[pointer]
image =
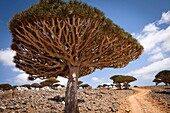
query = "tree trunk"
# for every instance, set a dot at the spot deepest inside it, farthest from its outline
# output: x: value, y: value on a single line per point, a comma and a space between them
x: 119, y: 86
x: 71, y: 104
x: 156, y: 83
x: 126, y: 85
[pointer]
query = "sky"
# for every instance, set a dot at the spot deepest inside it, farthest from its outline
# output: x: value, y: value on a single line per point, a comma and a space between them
x: 147, y: 20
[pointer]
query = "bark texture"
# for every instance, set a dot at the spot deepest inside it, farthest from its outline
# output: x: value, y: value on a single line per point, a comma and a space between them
x: 71, y: 91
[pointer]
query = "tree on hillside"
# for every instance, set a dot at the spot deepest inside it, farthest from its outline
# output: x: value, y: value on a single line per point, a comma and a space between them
x: 51, y: 81
x: 118, y: 79
x: 69, y: 39
x: 99, y: 86
x: 164, y: 76
x: 4, y: 87
x: 43, y: 84
x: 35, y: 85
x: 84, y: 86
x: 127, y: 80
x: 27, y: 86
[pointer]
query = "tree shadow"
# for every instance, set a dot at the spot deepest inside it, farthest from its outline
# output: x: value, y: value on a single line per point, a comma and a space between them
x: 123, y: 89
x: 163, y: 92
x: 57, y: 98
x: 61, y: 99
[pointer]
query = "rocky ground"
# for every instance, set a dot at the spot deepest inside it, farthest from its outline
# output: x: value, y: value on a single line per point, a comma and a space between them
x: 90, y: 101
x: 160, y: 95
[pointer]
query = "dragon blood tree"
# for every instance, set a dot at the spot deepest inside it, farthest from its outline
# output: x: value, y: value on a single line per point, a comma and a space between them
x: 69, y: 39
x: 163, y: 76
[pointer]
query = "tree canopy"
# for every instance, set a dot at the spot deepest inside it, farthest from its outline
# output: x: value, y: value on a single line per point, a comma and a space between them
x: 35, y: 85
x: 84, y: 85
x: 125, y: 79
x: 5, y: 87
x: 122, y: 78
x: 49, y: 82
x: 157, y: 81
x: 163, y: 76
x: 26, y: 85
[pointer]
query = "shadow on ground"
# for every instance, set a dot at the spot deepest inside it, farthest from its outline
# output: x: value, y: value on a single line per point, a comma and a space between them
x: 60, y: 99
x: 163, y: 92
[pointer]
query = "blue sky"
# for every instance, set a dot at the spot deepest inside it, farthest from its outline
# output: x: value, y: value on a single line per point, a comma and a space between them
x: 147, y: 20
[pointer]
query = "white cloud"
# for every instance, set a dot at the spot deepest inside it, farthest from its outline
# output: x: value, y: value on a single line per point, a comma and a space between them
x: 153, y: 36
x: 150, y: 28
x: 155, y: 51
x: 154, y: 67
x: 155, y: 40
x: 165, y: 18
x: 145, y: 75
x: 166, y: 45
x: 17, y: 70
x: 150, y: 40
x: 6, y: 57
x: 22, y: 78
x: 156, y: 57
x: 95, y: 79
x: 62, y: 80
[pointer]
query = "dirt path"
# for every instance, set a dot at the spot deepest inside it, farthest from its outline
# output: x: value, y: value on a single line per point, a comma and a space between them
x: 139, y: 103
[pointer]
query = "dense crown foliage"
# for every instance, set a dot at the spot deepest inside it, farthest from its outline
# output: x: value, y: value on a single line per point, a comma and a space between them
x: 5, y: 87
x: 26, y: 85
x: 84, y: 86
x: 122, y: 78
x: 49, y: 82
x: 163, y: 76
x: 157, y: 80
x: 125, y: 79
x: 35, y: 85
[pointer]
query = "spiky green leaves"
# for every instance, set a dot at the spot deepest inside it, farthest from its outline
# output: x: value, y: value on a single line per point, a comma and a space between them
x: 59, y: 9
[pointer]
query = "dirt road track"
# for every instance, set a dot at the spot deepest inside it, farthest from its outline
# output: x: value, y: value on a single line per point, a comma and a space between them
x: 139, y: 103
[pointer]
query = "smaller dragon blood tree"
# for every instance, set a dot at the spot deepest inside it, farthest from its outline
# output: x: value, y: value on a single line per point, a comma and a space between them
x: 125, y: 79
x: 163, y: 76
